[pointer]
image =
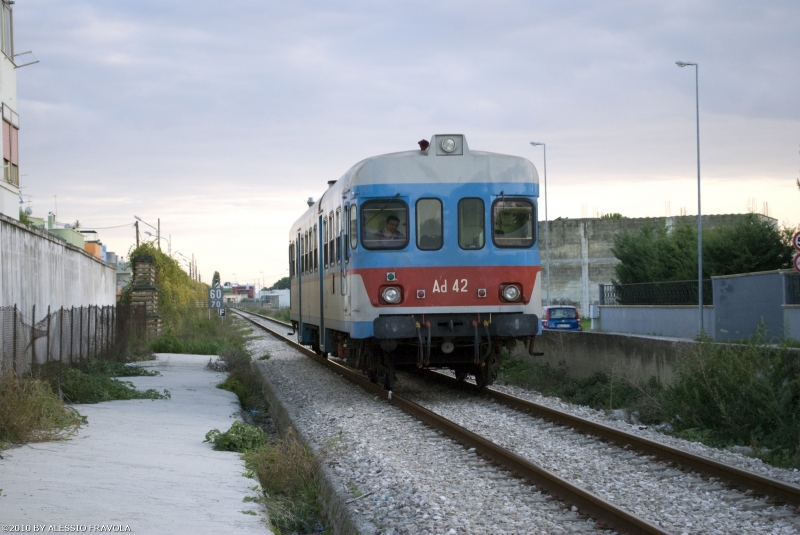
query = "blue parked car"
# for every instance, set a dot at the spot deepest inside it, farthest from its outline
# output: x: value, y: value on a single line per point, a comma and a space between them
x: 561, y: 318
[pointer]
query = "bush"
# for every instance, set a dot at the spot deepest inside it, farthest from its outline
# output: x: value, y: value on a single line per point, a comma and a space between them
x: 746, y: 394
x: 240, y: 437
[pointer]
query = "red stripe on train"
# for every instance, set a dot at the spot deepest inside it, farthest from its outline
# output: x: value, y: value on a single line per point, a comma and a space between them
x: 449, y: 286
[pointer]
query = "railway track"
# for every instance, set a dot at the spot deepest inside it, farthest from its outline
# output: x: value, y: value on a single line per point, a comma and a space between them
x: 588, y: 503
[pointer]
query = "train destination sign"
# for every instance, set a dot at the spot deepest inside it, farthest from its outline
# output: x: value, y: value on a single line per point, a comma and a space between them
x: 215, y: 297
x: 796, y: 241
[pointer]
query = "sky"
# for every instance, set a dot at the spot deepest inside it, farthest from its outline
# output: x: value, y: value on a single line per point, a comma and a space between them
x: 220, y: 119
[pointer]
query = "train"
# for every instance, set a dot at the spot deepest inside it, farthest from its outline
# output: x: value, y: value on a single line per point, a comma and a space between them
x: 424, y: 258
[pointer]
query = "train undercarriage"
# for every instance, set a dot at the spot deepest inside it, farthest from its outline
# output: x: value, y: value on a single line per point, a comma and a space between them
x: 467, y: 344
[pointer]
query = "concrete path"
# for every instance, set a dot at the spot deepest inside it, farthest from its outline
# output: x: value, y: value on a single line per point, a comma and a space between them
x: 140, y: 464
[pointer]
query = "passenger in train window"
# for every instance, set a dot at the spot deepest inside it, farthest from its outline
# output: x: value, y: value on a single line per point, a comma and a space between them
x: 390, y: 231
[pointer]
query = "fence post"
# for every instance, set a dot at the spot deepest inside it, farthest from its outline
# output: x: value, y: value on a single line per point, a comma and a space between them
x: 47, y: 344
x: 80, y: 334
x: 602, y: 294
x: 61, y: 334
x: 14, y: 341
x: 33, y: 335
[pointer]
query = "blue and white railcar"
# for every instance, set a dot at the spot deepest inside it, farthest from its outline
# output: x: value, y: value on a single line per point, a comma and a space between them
x: 424, y: 258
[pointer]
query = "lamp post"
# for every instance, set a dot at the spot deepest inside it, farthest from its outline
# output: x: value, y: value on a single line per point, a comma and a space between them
x: 158, y: 230
x: 169, y: 241
x: 546, y: 225
x: 699, y: 218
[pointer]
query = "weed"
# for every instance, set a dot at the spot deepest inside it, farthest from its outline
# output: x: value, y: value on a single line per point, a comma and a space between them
x: 31, y: 412
x: 117, y: 369
x: 286, y: 470
x: 240, y: 437
x: 80, y: 387
x: 249, y: 512
x: 265, y: 356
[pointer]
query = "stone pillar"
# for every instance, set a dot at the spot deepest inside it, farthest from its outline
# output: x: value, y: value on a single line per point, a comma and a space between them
x: 144, y: 292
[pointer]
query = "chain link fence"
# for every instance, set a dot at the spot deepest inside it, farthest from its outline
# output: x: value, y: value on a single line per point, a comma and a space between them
x: 68, y: 335
x: 656, y: 293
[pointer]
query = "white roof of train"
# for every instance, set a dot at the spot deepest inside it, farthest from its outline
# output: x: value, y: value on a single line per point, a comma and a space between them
x: 436, y: 165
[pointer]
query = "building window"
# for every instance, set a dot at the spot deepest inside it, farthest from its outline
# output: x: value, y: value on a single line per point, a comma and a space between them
x: 7, y: 43
x: 10, y: 152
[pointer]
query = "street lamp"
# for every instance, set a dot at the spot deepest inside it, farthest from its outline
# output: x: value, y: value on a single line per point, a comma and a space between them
x: 169, y: 240
x: 546, y: 225
x: 158, y: 230
x: 699, y: 218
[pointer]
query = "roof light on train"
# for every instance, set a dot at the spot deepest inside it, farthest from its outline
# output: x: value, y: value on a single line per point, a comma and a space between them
x: 511, y: 292
x: 391, y: 295
x: 448, y: 144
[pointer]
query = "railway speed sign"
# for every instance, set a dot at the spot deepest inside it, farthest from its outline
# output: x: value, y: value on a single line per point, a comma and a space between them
x: 215, y: 297
x: 796, y: 241
x: 797, y: 262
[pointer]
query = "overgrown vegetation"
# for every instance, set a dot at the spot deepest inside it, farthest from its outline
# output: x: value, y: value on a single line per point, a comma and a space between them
x: 194, y: 332
x: 176, y: 290
x: 723, y: 395
x: 284, y: 466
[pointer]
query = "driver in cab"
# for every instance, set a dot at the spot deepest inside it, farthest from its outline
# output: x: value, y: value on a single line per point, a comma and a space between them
x: 390, y: 231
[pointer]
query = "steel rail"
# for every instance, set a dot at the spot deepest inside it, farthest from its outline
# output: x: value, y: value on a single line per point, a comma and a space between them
x: 606, y: 514
x: 778, y: 491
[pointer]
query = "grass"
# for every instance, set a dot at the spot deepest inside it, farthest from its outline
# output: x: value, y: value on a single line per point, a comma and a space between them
x: 723, y: 395
x: 31, y: 412
x: 197, y: 334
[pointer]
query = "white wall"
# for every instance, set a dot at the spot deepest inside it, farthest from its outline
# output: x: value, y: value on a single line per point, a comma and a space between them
x: 36, y: 268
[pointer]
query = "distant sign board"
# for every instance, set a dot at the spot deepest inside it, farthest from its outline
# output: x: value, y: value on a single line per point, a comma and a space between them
x: 215, y: 298
x: 796, y: 241
x: 797, y: 263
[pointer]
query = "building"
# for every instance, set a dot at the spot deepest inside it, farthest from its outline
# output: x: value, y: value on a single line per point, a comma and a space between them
x: 9, y: 182
x: 581, y: 257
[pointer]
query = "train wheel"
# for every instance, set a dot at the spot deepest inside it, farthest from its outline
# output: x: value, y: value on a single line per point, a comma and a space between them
x: 483, y: 376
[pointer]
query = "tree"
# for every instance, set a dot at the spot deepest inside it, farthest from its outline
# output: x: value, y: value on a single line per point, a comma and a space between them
x: 615, y: 215
x: 282, y: 284
x: 653, y: 255
x: 215, y: 279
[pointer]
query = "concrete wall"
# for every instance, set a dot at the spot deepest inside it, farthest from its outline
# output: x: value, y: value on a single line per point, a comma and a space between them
x: 620, y: 355
x: 586, y: 353
x: 742, y: 302
x: 791, y: 321
x: 581, y: 257
x: 37, y: 268
x: 672, y: 321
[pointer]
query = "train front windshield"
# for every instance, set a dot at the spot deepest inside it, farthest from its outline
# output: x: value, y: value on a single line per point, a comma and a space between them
x: 384, y: 224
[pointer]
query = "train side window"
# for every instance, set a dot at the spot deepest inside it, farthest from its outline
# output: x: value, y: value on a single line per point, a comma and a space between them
x: 329, y: 245
x: 303, y: 253
x: 353, y: 226
x: 513, y: 223
x: 384, y: 224
x: 291, y: 261
x: 338, y: 227
x: 325, y: 241
x: 314, y: 257
x: 471, y: 223
x: 429, y: 224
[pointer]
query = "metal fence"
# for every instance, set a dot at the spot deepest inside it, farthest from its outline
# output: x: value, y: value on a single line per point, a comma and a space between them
x: 67, y: 335
x: 656, y: 293
x: 793, y: 289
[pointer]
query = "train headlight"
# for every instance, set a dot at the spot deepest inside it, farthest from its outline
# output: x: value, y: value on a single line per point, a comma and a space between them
x: 391, y: 295
x: 511, y: 292
x: 448, y: 144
